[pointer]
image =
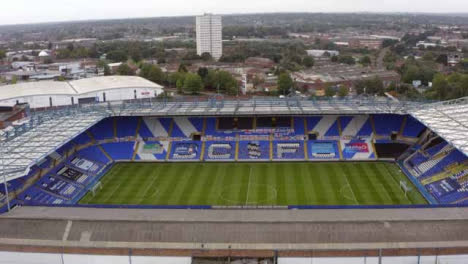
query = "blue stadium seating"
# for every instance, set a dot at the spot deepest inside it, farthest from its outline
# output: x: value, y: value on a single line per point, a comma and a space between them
x: 366, y: 130
x: 312, y: 121
x: 288, y: 150
x: 333, y: 131
x: 126, y: 126
x: 197, y: 123
x: 93, y: 153
x: 299, y: 128
x: 211, y: 129
x: 120, y: 150
x: 435, y: 149
x: 177, y: 132
x: 58, y: 186
x: 344, y: 121
x: 38, y: 196
x: 103, y: 129
x: 455, y: 156
x: 220, y: 150
x: 254, y: 150
x: 82, y: 139
x: 386, y: 124
x: 413, y: 127
x: 159, y: 156
x: 185, y: 150
x: 323, y: 149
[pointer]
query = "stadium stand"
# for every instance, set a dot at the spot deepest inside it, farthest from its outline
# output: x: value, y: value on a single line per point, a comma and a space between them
x: 120, y: 150
x: 126, y: 126
x: 324, y: 126
x: 220, y: 150
x: 254, y: 150
x: 82, y: 139
x: 103, y: 130
x: 323, y: 150
x: 288, y: 150
x: 153, y: 150
x: 386, y: 124
x: 413, y: 128
x: 185, y: 150
x: 151, y: 127
x: 355, y: 126
x: 94, y: 153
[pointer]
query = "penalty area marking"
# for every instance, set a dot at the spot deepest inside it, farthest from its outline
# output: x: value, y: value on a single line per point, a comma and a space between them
x: 345, y: 195
x: 248, y: 186
x: 272, y: 194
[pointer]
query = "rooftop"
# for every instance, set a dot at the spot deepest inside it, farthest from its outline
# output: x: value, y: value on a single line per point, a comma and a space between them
x: 83, y: 86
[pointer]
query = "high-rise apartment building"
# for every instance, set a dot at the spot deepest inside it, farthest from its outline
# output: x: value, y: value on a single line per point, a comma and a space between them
x: 209, y: 35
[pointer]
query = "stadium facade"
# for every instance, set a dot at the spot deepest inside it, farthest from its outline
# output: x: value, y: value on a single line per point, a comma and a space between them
x: 55, y: 157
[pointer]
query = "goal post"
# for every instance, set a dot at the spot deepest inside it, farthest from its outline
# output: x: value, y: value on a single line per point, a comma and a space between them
x: 405, y: 187
x: 95, y: 188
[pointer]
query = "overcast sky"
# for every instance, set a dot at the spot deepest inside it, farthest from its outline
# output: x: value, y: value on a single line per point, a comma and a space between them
x: 31, y: 11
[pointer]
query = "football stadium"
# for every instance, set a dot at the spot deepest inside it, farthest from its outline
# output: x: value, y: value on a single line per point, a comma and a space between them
x: 215, y: 180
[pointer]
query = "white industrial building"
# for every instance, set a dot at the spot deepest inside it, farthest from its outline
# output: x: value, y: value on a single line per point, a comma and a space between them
x: 98, y: 89
x: 210, y: 35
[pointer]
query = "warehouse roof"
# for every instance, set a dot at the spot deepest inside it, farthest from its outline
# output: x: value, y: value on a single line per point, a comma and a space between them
x: 78, y: 87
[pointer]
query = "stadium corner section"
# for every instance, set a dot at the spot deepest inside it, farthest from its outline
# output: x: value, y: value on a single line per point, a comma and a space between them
x: 438, y: 170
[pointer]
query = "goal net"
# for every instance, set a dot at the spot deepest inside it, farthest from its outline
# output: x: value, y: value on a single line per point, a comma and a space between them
x: 405, y: 187
x: 95, y: 188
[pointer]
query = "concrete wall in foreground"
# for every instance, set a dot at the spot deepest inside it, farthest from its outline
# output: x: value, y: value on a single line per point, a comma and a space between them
x: 46, y: 258
x: 451, y: 259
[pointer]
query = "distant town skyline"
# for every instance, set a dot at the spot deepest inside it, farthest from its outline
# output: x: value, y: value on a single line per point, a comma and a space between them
x: 26, y: 11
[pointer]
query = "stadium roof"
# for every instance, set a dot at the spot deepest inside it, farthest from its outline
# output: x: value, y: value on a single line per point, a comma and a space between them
x: 78, y: 87
x: 31, y: 140
x: 448, y: 119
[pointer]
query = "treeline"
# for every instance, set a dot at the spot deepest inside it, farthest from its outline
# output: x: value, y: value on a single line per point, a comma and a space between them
x: 186, y: 82
x: 446, y: 87
x: 119, y: 51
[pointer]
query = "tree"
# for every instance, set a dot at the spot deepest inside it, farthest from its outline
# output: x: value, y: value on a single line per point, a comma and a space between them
x: 343, y: 91
x: 346, y: 59
x: 365, y: 61
x: 330, y: 91
x: 334, y: 58
x: 182, y: 68
x: 124, y: 69
x: 206, y: 56
x: 202, y: 72
x: 117, y: 56
x: 308, y: 61
x: 440, y: 85
x: 2, y: 54
x: 152, y: 73
x: 227, y: 83
x: 105, y: 67
x: 193, y: 83
x: 285, y: 83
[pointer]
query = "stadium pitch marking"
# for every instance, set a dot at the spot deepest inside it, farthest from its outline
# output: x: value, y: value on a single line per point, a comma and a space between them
x: 350, y: 188
x: 347, y: 196
x: 248, y: 186
x: 271, y: 192
x: 148, y: 188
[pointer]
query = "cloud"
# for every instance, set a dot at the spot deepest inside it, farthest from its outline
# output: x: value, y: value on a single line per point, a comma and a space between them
x: 27, y: 11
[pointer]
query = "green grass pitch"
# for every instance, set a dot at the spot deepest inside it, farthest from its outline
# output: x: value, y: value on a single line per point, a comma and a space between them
x: 357, y: 183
